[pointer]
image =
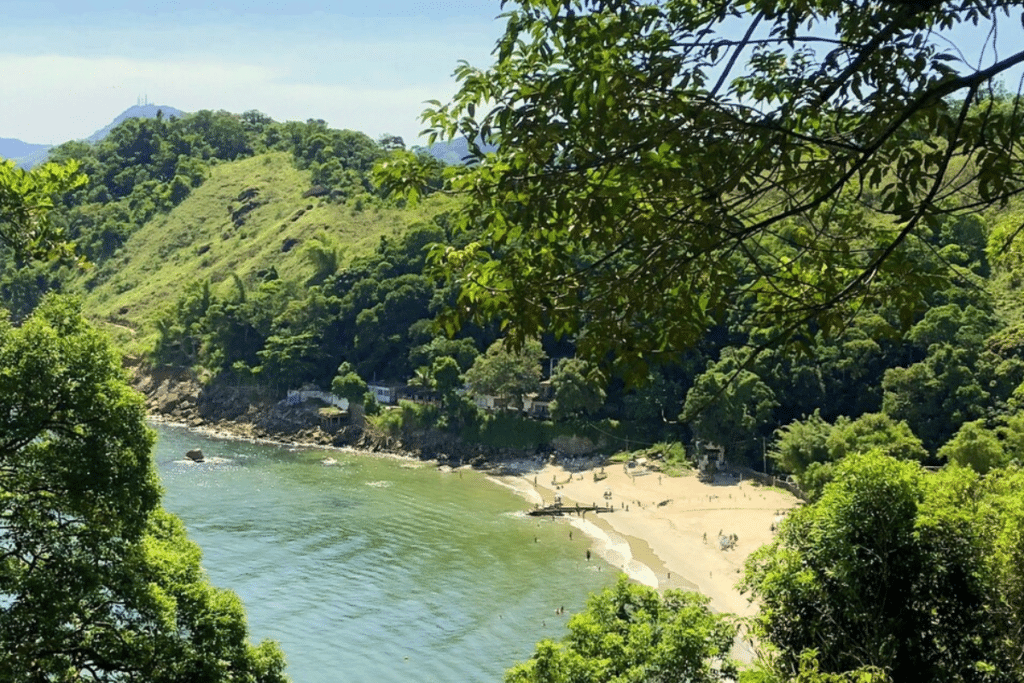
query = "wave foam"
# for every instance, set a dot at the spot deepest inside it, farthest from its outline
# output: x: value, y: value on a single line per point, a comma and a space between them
x: 614, y: 549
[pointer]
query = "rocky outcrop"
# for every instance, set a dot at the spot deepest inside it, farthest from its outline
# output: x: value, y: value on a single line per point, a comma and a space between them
x: 254, y: 413
x: 169, y: 394
x: 248, y: 201
x: 246, y: 412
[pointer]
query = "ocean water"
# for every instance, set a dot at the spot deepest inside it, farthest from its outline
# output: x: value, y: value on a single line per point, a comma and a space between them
x: 376, y: 569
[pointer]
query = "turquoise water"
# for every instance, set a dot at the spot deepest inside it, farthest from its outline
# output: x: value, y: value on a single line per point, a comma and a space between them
x: 376, y: 569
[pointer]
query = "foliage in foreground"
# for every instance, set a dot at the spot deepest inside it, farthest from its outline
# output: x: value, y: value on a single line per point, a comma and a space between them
x: 97, y: 582
x: 913, y: 574
x: 631, y: 633
x: 665, y: 167
x: 25, y: 201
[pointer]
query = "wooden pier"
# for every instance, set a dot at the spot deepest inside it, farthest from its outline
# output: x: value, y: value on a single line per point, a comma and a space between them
x: 558, y: 510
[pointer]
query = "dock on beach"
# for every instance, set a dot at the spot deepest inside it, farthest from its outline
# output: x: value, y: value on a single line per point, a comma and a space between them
x: 557, y: 510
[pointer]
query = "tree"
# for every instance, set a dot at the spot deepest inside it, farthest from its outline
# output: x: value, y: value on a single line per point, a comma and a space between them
x: 894, y: 569
x: 289, y: 358
x: 446, y: 377
x: 578, y: 387
x: 506, y: 373
x: 26, y: 198
x: 874, y: 432
x: 663, y: 165
x: 462, y: 350
x: 390, y: 143
x: 729, y: 406
x: 801, y: 443
x: 631, y: 633
x: 1011, y: 435
x: 974, y: 446
x: 810, y: 449
x: 938, y: 394
x: 323, y: 256
x: 97, y: 582
x: 348, y: 385
x: 652, y: 400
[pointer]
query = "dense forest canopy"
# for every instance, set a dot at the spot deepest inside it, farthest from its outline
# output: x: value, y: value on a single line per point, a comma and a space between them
x: 819, y: 198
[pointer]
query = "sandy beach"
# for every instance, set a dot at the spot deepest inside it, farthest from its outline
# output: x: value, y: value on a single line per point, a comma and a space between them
x: 666, y: 531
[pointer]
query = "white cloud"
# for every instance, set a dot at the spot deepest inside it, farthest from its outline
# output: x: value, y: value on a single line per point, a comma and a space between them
x: 52, y: 98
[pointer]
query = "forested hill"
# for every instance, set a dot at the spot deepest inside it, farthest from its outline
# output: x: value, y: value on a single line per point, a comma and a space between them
x: 237, y: 205
x: 259, y: 251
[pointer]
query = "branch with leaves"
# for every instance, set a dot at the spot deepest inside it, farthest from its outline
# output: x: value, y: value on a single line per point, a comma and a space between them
x: 26, y: 198
x: 665, y: 167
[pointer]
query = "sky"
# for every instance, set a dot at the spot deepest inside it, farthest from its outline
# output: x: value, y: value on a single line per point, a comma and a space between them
x: 67, y: 68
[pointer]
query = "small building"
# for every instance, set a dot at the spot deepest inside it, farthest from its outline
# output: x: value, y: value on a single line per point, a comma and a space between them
x: 297, y: 396
x: 385, y: 394
x: 418, y: 395
x: 710, y: 457
x: 537, y: 406
x: 490, y: 403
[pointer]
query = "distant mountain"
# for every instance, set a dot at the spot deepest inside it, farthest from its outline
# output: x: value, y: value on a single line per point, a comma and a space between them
x: 35, y: 158
x: 454, y: 152
x: 26, y: 155
x: 16, y: 149
x: 139, y: 111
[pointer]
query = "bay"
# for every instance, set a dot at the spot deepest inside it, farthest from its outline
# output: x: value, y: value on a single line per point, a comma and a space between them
x: 375, y: 569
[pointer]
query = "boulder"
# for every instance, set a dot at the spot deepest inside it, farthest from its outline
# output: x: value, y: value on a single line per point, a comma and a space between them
x: 195, y: 455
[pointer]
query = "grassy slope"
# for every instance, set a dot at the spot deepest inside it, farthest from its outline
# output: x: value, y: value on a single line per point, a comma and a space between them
x: 199, y: 240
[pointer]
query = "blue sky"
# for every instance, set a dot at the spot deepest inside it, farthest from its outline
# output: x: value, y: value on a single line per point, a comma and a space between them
x: 68, y: 68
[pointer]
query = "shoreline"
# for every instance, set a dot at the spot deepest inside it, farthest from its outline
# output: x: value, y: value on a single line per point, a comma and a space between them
x: 223, y: 430
x: 663, y: 520
x: 664, y: 532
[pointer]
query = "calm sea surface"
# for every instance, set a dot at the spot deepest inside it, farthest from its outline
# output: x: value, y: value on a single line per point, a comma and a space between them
x: 376, y: 569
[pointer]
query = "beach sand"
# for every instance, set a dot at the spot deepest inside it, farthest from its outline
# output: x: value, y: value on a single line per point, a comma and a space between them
x: 665, y: 530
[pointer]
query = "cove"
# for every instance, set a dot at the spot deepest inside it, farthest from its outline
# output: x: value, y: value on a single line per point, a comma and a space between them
x: 376, y: 569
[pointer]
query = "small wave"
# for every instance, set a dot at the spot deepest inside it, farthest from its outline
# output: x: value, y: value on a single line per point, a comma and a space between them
x: 614, y: 549
x: 380, y: 484
x: 208, y: 460
x: 525, y: 491
x: 641, y: 573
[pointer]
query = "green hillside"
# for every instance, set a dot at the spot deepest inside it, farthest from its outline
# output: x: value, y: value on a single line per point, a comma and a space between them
x: 248, y: 216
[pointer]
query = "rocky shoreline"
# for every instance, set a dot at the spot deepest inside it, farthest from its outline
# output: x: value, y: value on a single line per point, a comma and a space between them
x: 251, y: 413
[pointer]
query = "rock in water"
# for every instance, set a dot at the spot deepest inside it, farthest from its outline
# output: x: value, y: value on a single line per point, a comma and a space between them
x: 195, y: 455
